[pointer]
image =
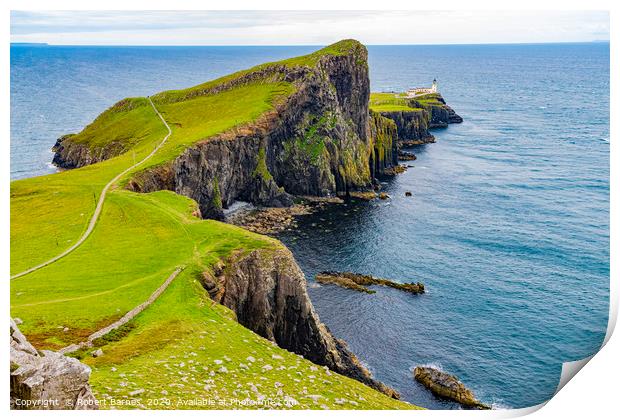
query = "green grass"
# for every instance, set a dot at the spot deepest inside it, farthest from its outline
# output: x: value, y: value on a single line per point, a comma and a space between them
x: 340, y: 48
x: 138, y: 242
x: 49, y: 213
x: 387, y: 102
x: 172, y: 350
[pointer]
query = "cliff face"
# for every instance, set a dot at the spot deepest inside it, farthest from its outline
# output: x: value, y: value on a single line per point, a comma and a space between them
x: 413, y: 126
x: 47, y: 380
x: 267, y: 291
x: 315, y: 143
x: 384, y: 134
x: 70, y: 155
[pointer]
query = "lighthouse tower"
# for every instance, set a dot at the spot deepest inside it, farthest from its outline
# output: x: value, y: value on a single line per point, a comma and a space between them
x: 434, y: 87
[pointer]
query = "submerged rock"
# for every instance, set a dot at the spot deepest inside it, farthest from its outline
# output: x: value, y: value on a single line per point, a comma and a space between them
x: 404, y: 155
x: 363, y: 195
x: 447, y: 386
x: 395, y: 170
x: 358, y: 282
x: 47, y: 380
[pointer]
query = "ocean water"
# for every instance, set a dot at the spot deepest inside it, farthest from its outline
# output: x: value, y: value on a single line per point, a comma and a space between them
x: 508, y: 225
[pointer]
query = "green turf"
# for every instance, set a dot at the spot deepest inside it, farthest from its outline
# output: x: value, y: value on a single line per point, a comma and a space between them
x: 171, y: 353
x: 49, y: 213
x: 139, y: 241
x: 137, y: 244
x: 387, y: 101
x: 337, y: 49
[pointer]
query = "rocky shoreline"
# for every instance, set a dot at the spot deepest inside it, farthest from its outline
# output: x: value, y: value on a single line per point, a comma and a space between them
x: 358, y: 282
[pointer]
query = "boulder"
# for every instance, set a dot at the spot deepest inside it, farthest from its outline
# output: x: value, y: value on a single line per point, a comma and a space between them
x: 447, y: 386
x: 47, y: 380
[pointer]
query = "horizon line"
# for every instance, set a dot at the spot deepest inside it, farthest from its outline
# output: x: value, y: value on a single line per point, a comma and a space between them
x: 600, y: 41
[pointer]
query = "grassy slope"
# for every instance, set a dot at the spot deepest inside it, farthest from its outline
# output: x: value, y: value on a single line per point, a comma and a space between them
x: 138, y: 242
x: 388, y: 101
x: 49, y: 213
x: 182, y: 364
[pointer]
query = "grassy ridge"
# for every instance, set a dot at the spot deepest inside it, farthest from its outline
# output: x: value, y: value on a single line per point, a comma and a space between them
x: 139, y: 240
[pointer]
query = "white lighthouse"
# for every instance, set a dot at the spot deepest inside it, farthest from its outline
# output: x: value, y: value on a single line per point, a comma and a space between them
x: 434, y: 86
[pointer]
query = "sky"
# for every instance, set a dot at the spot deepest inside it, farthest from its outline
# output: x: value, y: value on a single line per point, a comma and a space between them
x: 306, y: 27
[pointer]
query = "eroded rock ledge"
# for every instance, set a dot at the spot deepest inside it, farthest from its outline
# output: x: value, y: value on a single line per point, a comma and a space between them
x: 267, y: 291
x: 356, y: 281
x: 47, y: 380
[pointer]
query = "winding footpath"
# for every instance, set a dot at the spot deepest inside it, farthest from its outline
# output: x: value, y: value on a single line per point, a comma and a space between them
x: 95, y: 217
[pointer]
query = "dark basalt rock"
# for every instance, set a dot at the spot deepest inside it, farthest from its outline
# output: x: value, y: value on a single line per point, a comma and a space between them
x: 267, y: 291
x: 329, y: 109
x: 447, y: 386
x: 70, y: 155
x: 404, y: 155
x: 413, y: 126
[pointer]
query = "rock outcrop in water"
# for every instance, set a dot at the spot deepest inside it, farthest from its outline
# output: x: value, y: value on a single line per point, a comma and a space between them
x: 447, y: 386
x: 356, y: 281
x: 267, y: 291
x: 47, y: 380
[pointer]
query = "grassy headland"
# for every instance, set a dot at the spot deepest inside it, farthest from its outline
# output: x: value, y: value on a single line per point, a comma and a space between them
x: 171, y: 349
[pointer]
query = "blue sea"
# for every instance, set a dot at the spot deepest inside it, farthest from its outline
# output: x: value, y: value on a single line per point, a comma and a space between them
x: 508, y: 225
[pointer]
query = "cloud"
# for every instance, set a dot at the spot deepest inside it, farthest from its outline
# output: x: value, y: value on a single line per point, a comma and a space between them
x: 305, y: 27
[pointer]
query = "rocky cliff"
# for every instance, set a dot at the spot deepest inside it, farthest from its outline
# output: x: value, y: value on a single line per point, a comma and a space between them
x: 267, y: 291
x: 47, y: 380
x: 316, y: 143
x: 384, y: 153
x: 70, y: 155
x: 413, y: 125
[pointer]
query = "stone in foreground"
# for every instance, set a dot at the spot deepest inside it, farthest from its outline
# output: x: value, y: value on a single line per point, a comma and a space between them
x: 447, y: 386
x: 47, y: 380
